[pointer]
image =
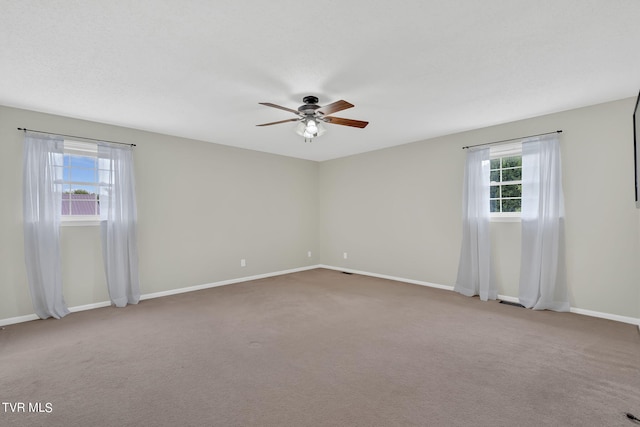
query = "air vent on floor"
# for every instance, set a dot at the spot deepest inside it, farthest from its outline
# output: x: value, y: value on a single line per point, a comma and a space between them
x: 515, y: 304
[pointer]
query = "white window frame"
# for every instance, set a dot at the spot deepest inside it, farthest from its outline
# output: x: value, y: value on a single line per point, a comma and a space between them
x: 496, y: 152
x: 88, y: 149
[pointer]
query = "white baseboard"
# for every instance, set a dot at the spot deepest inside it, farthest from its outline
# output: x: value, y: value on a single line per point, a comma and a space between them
x: 591, y: 313
x: 89, y: 306
x: 29, y: 317
x: 609, y: 316
x: 616, y: 317
x: 384, y: 276
x: 18, y: 319
x: 225, y: 282
x: 584, y: 312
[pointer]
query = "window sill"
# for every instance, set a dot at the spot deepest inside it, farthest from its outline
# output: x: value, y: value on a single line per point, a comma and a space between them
x: 505, y: 218
x: 80, y: 221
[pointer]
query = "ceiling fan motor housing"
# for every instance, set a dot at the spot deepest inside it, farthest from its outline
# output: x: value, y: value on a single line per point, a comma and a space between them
x: 310, y: 106
x: 310, y: 100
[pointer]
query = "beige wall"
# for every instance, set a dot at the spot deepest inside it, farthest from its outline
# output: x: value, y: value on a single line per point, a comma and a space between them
x: 398, y: 211
x: 201, y: 208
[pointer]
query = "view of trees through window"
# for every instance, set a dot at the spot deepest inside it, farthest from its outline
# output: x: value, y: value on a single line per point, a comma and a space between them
x: 506, y: 184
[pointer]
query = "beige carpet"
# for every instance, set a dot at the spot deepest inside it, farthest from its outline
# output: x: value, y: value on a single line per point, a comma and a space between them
x: 320, y: 348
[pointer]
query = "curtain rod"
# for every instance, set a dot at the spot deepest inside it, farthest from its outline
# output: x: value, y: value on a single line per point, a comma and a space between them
x: 74, y: 136
x: 511, y: 139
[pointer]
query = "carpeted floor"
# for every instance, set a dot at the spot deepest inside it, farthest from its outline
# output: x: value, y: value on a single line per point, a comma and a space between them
x: 320, y: 348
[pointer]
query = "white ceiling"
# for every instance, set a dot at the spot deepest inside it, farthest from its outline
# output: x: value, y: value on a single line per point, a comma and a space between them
x: 413, y: 69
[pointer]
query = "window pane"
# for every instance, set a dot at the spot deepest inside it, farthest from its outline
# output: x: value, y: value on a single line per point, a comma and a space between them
x: 511, y: 205
x: 80, y: 189
x: 65, y: 204
x: 505, y: 198
x: 77, y: 190
x: 83, y: 161
x: 512, y: 174
x: 514, y: 190
x: 83, y: 175
x: 509, y: 162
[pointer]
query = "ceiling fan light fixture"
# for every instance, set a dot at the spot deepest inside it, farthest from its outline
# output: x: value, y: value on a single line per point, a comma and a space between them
x: 309, y: 129
x: 312, y: 117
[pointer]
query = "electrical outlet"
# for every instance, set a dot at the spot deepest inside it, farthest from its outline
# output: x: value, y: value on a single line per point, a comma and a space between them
x: 309, y: 254
x: 243, y: 262
x: 344, y: 255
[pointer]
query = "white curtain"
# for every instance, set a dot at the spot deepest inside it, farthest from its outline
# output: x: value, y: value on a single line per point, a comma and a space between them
x: 474, y: 270
x: 42, y: 210
x: 118, y: 221
x: 542, y: 268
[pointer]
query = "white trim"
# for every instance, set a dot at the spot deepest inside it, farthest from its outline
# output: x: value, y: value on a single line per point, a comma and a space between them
x: 89, y: 306
x: 384, y: 276
x: 224, y: 283
x: 506, y: 150
x: 608, y: 316
x: 29, y: 317
x: 584, y: 312
x: 81, y: 148
x: 502, y: 217
x: 580, y: 311
x: 18, y: 319
x: 79, y: 220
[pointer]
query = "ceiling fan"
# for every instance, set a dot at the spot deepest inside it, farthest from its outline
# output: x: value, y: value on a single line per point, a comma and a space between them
x: 311, y: 116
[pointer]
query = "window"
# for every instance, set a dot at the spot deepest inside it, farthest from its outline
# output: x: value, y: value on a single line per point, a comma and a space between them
x: 80, y: 193
x: 505, y: 191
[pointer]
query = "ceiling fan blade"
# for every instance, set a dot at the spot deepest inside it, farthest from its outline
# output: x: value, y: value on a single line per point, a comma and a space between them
x: 334, y: 107
x: 281, y: 121
x: 346, y: 122
x: 268, y: 104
